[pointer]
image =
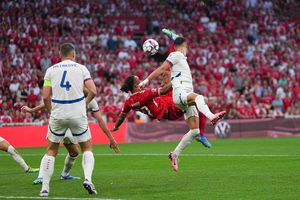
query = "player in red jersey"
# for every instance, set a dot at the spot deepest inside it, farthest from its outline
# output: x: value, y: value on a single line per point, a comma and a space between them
x: 156, y: 103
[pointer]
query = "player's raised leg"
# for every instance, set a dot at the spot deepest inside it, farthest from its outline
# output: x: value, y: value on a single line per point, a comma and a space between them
x: 171, y: 34
x: 5, y: 146
x: 198, y: 99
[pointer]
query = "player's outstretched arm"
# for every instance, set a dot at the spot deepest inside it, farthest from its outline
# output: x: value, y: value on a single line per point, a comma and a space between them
x: 92, y: 91
x: 26, y: 109
x: 156, y: 73
x: 112, y: 143
x: 119, y: 122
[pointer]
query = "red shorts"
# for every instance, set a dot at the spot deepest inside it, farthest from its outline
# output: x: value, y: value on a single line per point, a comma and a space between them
x: 174, y: 113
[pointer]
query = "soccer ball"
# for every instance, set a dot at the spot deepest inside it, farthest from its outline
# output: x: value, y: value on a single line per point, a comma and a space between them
x: 150, y: 46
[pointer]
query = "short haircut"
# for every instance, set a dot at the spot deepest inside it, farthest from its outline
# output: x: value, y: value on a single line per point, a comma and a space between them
x: 128, y: 84
x: 66, y: 48
x: 179, y: 41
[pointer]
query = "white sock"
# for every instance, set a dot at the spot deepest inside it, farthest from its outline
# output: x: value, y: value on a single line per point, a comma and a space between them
x: 203, y: 108
x: 47, y: 170
x: 17, y: 157
x: 88, y: 164
x: 186, y: 140
x: 69, y: 162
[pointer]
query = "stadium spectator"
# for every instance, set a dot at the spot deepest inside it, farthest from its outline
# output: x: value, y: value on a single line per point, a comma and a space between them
x: 245, y: 52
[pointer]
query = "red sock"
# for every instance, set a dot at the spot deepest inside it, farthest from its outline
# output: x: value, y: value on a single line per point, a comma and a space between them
x: 202, y: 123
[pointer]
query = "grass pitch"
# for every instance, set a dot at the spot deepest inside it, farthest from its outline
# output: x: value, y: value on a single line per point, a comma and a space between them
x: 251, y: 169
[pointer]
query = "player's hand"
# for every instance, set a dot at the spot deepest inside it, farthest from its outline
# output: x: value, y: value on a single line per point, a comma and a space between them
x: 26, y: 109
x: 114, y: 129
x: 144, y: 82
x: 114, y: 145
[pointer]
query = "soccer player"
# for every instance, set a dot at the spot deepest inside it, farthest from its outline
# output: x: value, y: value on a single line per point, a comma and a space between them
x: 156, y: 103
x: 184, y: 95
x: 71, y: 144
x: 5, y: 146
x: 65, y: 101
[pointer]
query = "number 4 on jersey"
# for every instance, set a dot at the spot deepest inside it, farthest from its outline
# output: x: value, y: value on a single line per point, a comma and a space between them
x: 64, y: 84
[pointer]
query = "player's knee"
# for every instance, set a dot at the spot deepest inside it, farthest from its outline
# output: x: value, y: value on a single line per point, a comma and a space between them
x: 191, y: 98
x: 52, y: 152
x: 74, y: 153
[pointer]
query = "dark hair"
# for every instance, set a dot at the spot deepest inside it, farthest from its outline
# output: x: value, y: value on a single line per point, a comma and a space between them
x: 128, y: 84
x: 66, y: 48
x: 179, y: 41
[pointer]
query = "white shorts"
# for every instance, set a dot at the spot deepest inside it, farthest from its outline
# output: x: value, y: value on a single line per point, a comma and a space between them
x: 69, y: 138
x: 1, y: 139
x: 180, y: 99
x: 78, y: 130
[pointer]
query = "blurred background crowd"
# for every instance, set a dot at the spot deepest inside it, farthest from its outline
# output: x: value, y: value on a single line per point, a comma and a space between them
x: 244, y: 54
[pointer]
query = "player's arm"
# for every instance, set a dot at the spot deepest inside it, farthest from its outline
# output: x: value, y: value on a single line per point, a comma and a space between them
x: 47, y: 93
x: 120, y: 121
x: 91, y: 90
x: 156, y: 73
x: 113, y: 144
x: 25, y: 109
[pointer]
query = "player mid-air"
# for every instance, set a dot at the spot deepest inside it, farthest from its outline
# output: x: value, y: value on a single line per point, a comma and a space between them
x: 71, y: 144
x: 184, y: 95
x: 5, y: 146
x: 156, y: 103
x: 65, y: 101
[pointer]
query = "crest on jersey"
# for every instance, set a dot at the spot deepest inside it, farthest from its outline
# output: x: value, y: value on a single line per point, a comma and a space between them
x: 222, y: 129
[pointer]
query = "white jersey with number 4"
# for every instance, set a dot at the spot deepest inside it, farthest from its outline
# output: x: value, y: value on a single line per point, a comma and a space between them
x: 67, y: 82
x: 180, y: 71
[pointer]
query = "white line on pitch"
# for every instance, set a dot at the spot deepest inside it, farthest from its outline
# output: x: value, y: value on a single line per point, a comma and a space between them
x: 54, y: 198
x: 185, y: 155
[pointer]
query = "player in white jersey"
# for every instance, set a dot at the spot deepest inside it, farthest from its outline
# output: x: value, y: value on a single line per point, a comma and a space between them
x: 64, y: 98
x: 5, y: 146
x: 184, y: 95
x: 71, y: 144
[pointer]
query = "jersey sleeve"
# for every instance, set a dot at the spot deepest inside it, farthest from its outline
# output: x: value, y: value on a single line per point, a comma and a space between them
x: 93, y: 106
x: 172, y: 58
x: 47, y: 78
x: 126, y: 107
x: 86, y: 74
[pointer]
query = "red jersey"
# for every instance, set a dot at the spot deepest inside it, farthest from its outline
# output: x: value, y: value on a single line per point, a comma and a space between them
x: 147, y: 103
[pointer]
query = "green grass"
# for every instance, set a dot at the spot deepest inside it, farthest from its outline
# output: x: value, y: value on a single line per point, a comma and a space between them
x: 233, y: 169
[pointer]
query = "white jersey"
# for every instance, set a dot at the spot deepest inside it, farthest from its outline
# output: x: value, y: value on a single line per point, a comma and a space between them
x: 180, y: 71
x: 67, y: 81
x: 93, y: 106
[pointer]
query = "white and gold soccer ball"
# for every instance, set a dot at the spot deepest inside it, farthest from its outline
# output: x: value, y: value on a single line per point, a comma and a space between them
x: 150, y: 46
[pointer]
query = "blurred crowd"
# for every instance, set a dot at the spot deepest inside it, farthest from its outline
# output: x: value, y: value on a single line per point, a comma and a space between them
x: 244, y: 54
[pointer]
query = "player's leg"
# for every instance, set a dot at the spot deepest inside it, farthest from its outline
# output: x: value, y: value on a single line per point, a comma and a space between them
x: 199, y: 101
x: 47, y: 168
x: 171, y: 34
x: 201, y: 137
x: 5, y: 146
x: 39, y: 179
x: 69, y: 161
x: 193, y: 124
x: 88, y: 162
x: 192, y: 121
x: 56, y: 132
x: 82, y: 135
